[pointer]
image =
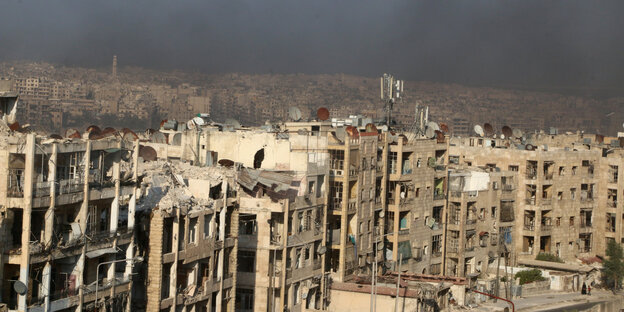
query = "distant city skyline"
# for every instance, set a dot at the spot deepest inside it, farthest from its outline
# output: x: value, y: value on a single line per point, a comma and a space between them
x: 522, y: 43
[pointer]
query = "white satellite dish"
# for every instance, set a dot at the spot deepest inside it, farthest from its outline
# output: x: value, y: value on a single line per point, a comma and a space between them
x: 430, y: 133
x: 294, y: 113
x: 502, y: 136
x: 199, y: 121
x: 433, y: 125
x: 478, y: 130
x: 517, y: 133
x: 233, y: 122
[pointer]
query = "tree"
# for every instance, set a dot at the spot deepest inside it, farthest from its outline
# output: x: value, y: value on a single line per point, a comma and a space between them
x: 613, y: 266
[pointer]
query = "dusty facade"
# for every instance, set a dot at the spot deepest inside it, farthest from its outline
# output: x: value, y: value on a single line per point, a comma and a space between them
x: 68, y: 220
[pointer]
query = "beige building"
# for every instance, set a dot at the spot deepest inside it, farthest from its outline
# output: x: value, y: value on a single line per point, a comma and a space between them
x: 567, y: 190
x: 67, y: 220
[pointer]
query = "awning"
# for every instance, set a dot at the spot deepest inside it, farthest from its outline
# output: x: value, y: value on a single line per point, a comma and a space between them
x: 483, y: 233
x: 100, y: 252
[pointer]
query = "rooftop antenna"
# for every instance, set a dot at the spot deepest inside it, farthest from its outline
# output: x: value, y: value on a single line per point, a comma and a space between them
x: 391, y: 90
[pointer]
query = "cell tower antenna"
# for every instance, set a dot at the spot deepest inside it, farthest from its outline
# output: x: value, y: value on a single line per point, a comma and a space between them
x: 391, y: 90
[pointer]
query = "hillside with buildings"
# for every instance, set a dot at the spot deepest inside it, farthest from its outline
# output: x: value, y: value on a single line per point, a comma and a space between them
x: 57, y: 97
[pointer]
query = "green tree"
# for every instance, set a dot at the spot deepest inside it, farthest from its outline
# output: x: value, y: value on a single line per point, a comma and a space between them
x: 613, y: 266
x: 529, y: 276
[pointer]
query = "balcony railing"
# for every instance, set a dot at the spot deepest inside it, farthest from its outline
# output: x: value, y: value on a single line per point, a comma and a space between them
x: 529, y: 227
x: 530, y: 201
x: 438, y: 196
x: 507, y: 187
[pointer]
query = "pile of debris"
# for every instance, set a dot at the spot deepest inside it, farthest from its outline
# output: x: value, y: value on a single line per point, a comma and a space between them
x: 165, y: 185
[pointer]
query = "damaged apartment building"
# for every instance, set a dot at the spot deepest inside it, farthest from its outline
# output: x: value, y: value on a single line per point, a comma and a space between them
x: 567, y: 188
x: 66, y: 221
x: 191, y: 237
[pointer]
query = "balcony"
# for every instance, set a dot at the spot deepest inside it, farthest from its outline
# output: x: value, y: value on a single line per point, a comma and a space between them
x: 530, y: 201
x: 546, y: 201
x: 69, y: 186
x: 507, y: 187
x: 529, y: 227
x: 471, y: 221
x: 438, y: 196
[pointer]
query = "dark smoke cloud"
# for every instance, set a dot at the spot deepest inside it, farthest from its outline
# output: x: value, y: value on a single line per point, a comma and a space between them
x: 553, y: 43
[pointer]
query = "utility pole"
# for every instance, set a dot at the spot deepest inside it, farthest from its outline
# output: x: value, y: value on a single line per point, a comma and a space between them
x: 396, y: 306
x: 497, y: 272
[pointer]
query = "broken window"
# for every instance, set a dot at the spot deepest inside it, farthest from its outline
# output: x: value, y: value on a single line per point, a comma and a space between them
x: 392, y: 160
x: 507, y: 210
x: 244, y: 299
x: 587, y: 192
x: 436, y: 245
x: 612, y: 198
x: 513, y: 168
x: 613, y: 174
x: 246, y: 261
x: 336, y: 159
x: 336, y: 195
x: 527, y: 244
x: 193, y: 231
x: 531, y: 169
x: 610, y: 222
x: 258, y: 158
x: 16, y: 175
x: 437, y: 214
x: 531, y: 191
x: 529, y: 220
x: 586, y: 217
x: 247, y: 224
x: 455, y: 213
x: 585, y: 242
x: 588, y: 167
x: 548, y: 169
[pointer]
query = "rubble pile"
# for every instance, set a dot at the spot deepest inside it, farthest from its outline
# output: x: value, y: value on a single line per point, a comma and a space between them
x: 165, y: 185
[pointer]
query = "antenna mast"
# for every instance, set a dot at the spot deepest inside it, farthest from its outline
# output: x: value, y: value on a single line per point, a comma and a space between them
x: 391, y: 90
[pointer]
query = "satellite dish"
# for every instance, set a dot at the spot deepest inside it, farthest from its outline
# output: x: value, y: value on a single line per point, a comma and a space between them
x: 489, y: 130
x: 20, y: 288
x: 381, y: 214
x: 72, y: 133
x: 322, y: 250
x: 444, y: 127
x: 430, y: 133
x: 478, y: 130
x: 199, y: 121
x: 294, y: 113
x: 158, y: 137
x: 433, y: 125
x: 233, y: 122
x: 322, y: 114
x: 507, y: 131
x: 517, y: 133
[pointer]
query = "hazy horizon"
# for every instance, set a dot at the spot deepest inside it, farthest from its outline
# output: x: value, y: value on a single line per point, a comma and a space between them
x: 526, y: 44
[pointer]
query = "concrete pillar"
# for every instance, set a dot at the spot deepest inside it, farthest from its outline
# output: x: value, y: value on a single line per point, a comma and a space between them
x: 344, y: 216
x: 27, y: 212
x: 84, y: 208
x: 285, y: 256
x: 176, y: 253
x: 224, y: 189
x: 49, y: 225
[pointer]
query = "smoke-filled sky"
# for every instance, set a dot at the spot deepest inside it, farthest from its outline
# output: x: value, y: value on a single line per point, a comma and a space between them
x: 532, y: 43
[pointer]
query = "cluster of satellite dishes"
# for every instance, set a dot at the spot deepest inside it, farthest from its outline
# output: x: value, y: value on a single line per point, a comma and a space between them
x: 488, y: 131
x: 435, y: 130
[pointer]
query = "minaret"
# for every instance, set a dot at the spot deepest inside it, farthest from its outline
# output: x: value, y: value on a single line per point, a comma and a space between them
x: 114, y: 66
